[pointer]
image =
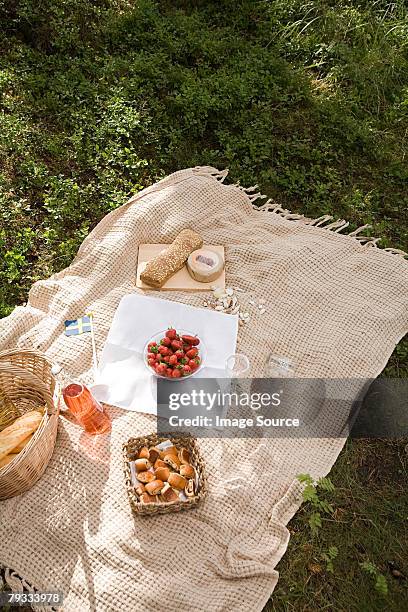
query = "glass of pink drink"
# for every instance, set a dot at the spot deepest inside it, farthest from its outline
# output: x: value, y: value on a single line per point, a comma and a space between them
x: 86, y: 409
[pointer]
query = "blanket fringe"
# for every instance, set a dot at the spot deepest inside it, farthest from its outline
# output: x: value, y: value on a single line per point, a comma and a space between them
x: 270, y: 205
x: 219, y: 175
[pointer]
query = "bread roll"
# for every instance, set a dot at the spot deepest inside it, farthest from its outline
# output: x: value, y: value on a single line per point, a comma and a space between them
x: 170, y: 450
x: 172, y: 259
x: 142, y: 465
x: 189, y: 489
x: 154, y: 454
x: 140, y: 489
x: 145, y: 477
x: 184, y: 455
x: 18, y: 431
x: 168, y: 494
x: 162, y: 473
x: 154, y: 487
x: 173, y: 461
x: 187, y: 470
x: 177, y: 481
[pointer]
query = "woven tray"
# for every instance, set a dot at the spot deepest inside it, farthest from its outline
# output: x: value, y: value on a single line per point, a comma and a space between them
x: 130, y: 452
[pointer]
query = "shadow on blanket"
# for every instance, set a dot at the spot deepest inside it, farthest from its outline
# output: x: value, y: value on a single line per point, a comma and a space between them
x: 78, y: 486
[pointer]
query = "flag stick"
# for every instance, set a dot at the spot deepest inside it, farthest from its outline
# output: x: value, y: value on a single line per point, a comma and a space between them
x: 94, y: 358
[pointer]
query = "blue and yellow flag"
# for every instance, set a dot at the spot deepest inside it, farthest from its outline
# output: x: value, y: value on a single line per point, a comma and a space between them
x: 78, y: 326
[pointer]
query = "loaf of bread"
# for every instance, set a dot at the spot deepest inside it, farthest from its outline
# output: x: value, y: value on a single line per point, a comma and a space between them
x: 7, y: 459
x: 18, y: 431
x: 172, y: 259
x: 22, y: 444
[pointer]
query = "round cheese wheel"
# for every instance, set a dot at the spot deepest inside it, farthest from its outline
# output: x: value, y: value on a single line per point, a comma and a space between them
x: 205, y: 265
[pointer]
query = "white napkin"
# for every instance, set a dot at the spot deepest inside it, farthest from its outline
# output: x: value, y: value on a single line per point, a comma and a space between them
x: 124, y: 380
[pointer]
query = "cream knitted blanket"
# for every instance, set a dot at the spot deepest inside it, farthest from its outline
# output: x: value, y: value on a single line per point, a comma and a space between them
x: 337, y: 306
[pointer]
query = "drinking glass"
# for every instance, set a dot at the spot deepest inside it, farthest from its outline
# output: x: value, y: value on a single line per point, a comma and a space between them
x: 237, y: 366
x: 279, y: 366
x: 86, y: 409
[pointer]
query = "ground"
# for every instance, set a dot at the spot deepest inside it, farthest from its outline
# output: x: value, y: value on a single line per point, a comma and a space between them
x: 307, y: 99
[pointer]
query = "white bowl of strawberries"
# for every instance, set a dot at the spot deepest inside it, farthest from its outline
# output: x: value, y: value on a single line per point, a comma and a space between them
x: 174, y: 354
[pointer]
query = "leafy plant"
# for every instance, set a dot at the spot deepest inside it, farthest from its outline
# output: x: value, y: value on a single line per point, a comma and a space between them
x: 311, y: 493
x: 380, y: 584
x: 329, y: 557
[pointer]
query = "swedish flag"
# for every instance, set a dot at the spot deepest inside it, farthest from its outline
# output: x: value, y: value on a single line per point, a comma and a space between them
x: 78, y: 326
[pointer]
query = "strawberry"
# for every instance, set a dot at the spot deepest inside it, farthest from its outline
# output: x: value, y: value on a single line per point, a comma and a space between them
x: 179, y: 353
x: 165, y: 341
x: 193, y: 364
x: 151, y: 345
x: 193, y: 352
x: 187, y: 370
x: 163, y: 350
x: 173, y: 360
x: 166, y: 359
x: 177, y: 344
x: 151, y: 362
x: 151, y: 355
x: 171, y: 333
x: 169, y: 372
x: 161, y: 368
x: 176, y: 373
x: 191, y: 340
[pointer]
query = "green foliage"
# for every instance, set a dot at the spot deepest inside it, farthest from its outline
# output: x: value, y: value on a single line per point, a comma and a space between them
x: 311, y: 493
x: 325, y: 484
x: 329, y: 557
x: 315, y: 522
x: 380, y: 584
x: 101, y: 99
x: 368, y: 525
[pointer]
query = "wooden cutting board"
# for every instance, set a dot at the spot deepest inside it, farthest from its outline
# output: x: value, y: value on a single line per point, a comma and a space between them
x: 181, y: 280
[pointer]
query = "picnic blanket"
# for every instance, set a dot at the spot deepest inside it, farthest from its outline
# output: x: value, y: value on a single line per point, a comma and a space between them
x: 336, y: 307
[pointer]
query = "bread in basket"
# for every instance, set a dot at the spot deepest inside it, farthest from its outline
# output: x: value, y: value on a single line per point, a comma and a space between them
x: 131, y: 452
x: 26, y: 384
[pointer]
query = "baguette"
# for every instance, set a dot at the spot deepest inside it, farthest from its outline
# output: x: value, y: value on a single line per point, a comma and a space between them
x: 22, y: 444
x: 16, y: 433
x: 7, y: 459
x: 172, y: 259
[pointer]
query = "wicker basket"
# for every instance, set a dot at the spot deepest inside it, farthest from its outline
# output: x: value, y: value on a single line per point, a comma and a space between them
x: 131, y: 450
x: 8, y: 411
x: 27, y: 383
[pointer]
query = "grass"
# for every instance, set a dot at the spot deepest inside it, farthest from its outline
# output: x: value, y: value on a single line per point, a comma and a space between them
x: 307, y: 99
x: 369, y: 524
